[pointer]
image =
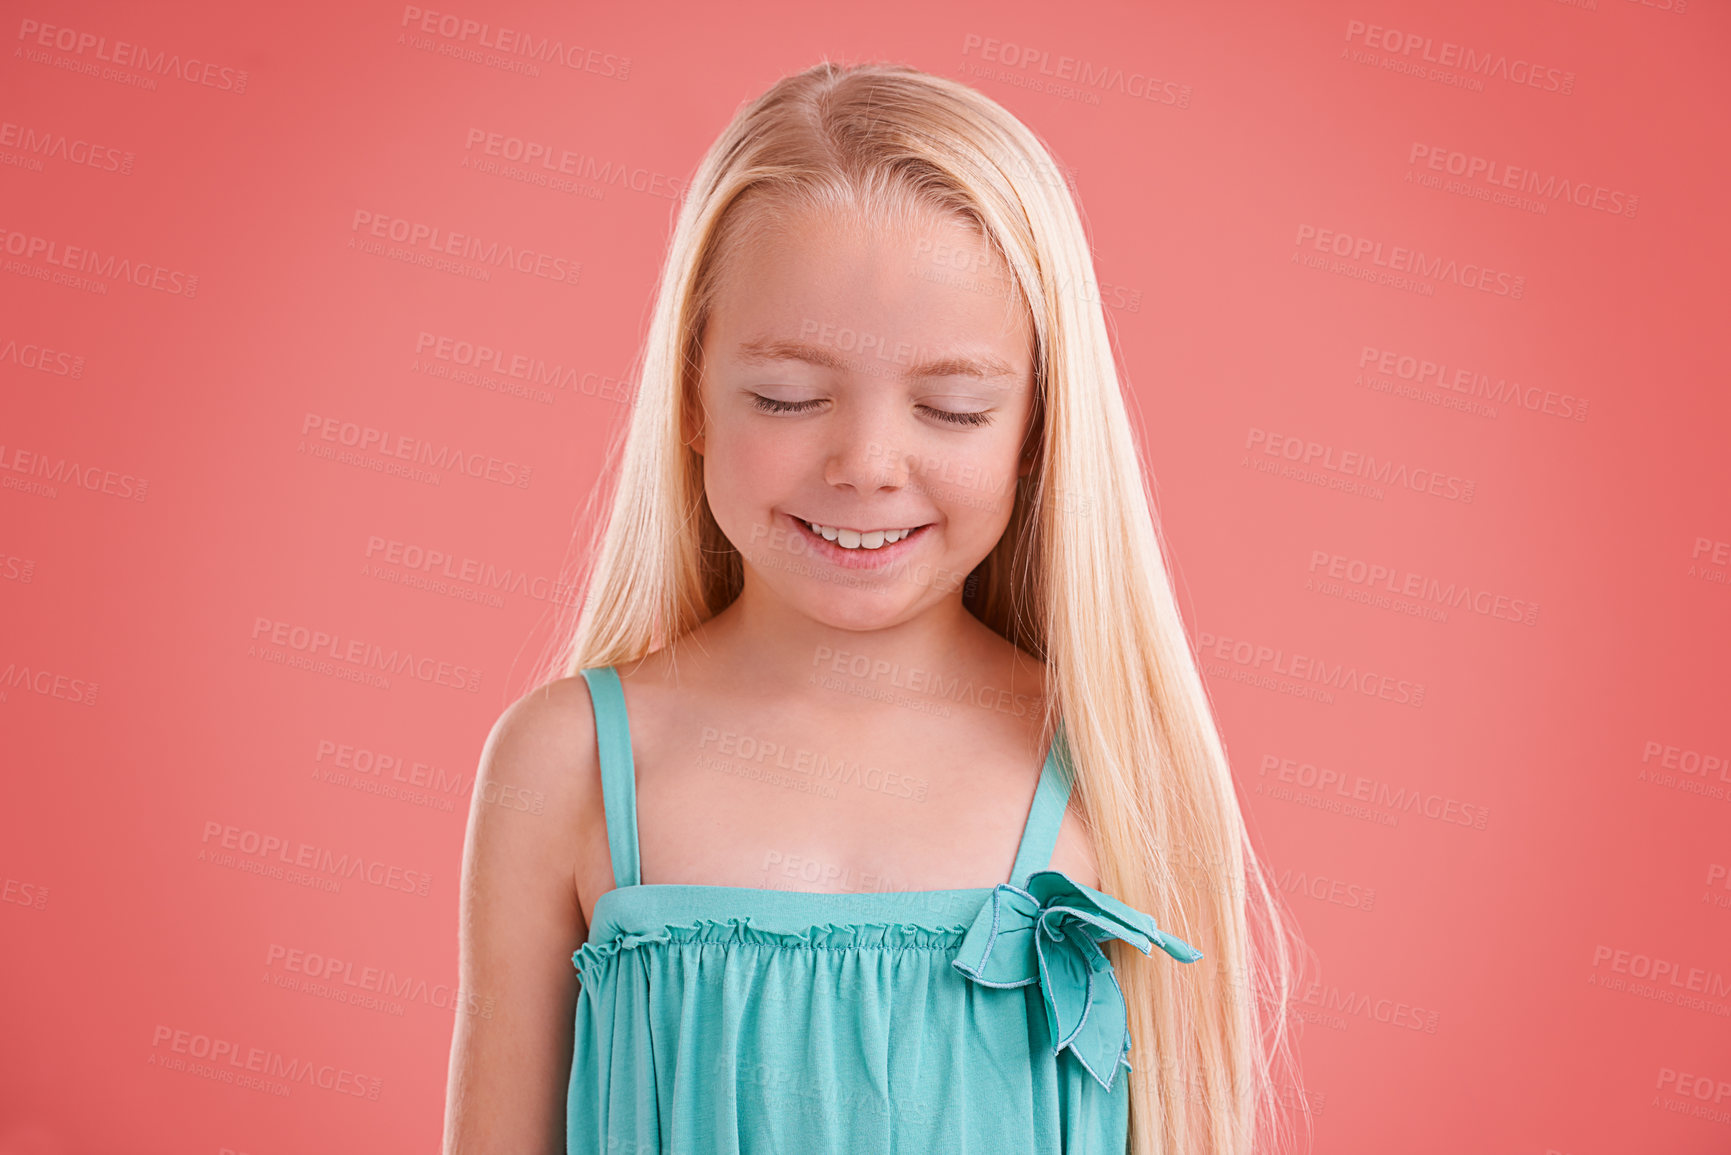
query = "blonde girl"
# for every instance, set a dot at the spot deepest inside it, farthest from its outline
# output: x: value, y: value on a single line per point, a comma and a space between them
x: 880, y: 805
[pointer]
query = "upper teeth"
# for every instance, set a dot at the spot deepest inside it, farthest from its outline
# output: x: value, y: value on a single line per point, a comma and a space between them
x: 854, y: 539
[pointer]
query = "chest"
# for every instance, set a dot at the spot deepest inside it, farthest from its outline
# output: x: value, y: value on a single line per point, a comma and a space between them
x: 768, y: 800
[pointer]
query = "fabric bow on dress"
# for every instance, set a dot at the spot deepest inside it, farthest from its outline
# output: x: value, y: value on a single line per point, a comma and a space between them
x: 1050, y: 934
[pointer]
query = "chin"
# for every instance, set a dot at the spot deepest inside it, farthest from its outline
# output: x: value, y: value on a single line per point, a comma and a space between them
x: 855, y: 610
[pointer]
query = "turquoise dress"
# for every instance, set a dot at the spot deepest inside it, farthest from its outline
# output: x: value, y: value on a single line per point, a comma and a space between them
x: 728, y: 1019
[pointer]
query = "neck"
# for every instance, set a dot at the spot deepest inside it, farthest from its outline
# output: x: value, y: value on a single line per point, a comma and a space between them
x: 787, y: 648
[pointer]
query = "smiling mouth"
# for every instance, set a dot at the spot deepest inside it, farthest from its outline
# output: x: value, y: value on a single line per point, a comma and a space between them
x: 862, y: 541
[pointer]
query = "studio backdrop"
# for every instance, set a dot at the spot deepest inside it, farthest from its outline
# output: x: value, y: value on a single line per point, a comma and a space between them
x: 316, y: 321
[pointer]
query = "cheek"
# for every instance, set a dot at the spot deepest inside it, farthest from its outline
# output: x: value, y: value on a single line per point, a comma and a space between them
x: 747, y: 468
x: 975, y: 488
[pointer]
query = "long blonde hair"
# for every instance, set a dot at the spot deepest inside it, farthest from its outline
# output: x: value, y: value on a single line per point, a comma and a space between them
x: 1079, y: 578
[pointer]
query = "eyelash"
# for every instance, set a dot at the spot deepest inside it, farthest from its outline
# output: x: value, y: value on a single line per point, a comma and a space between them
x: 965, y: 420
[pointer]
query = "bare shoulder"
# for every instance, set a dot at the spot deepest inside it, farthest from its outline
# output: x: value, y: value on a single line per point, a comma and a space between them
x: 538, y: 785
x: 545, y: 740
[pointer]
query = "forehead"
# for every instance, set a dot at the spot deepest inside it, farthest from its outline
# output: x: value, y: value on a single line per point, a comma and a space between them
x: 924, y: 289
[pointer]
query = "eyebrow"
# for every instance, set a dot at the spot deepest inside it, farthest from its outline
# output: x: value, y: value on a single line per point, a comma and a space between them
x: 762, y: 351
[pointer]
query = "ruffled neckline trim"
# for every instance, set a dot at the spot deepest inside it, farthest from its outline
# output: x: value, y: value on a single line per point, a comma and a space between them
x: 633, y: 917
x: 837, y: 936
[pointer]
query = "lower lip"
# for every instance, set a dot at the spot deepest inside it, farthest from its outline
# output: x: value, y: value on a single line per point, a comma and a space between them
x: 861, y: 558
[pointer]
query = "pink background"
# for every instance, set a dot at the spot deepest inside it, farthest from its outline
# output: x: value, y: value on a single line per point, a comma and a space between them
x: 1512, y: 864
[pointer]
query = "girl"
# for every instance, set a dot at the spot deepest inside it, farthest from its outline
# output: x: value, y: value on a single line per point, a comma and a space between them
x: 884, y: 807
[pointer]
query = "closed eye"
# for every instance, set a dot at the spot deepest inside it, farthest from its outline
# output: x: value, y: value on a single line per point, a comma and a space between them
x: 948, y: 416
x: 954, y: 418
x: 773, y: 405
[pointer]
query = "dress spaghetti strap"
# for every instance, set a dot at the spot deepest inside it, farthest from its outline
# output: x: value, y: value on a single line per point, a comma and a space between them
x: 618, y: 775
x: 1046, y: 815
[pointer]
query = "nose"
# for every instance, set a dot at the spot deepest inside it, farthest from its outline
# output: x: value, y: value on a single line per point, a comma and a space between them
x: 867, y: 468
x: 867, y: 458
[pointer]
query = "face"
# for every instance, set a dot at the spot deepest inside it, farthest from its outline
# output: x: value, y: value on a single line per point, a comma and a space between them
x: 876, y: 382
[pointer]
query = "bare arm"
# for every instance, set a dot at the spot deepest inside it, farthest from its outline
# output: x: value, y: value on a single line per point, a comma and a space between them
x: 519, y: 922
